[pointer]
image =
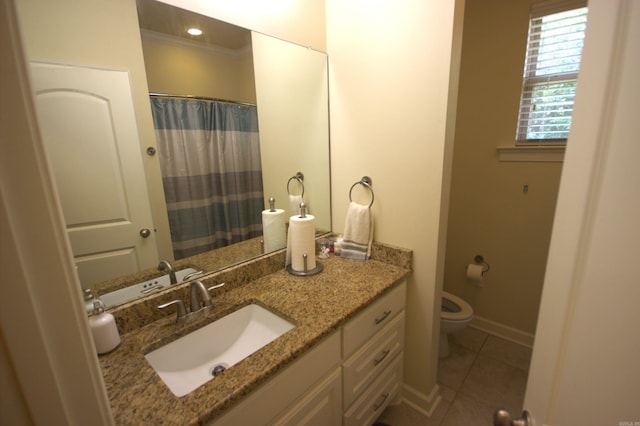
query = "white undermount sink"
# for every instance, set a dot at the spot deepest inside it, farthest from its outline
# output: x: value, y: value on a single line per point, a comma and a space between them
x: 194, y: 359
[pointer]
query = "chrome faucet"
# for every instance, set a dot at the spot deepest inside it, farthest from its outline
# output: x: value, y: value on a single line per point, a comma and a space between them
x: 200, y: 300
x: 197, y: 303
x: 165, y: 265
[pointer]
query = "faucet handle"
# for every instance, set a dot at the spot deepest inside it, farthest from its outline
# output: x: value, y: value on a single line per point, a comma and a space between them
x: 181, y: 313
x: 216, y: 286
x: 192, y: 275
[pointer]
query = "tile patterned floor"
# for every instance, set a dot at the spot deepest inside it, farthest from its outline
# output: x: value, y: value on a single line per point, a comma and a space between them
x: 481, y: 374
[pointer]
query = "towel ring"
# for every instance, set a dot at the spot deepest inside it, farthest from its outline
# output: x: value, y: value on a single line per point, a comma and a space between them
x: 300, y: 178
x: 366, y: 182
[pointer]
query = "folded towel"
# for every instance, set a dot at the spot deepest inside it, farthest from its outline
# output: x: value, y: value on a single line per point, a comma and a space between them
x: 358, y: 232
x: 294, y: 204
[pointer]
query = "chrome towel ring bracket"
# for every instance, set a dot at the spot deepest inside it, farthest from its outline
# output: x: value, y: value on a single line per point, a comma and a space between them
x: 366, y: 182
x: 300, y: 178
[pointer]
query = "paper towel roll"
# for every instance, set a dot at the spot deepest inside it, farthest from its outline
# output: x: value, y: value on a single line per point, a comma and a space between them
x: 301, y: 240
x: 475, y: 272
x: 273, y: 230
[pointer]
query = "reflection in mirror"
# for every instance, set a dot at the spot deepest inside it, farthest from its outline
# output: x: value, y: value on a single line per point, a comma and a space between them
x: 57, y: 34
x: 288, y: 83
x: 209, y: 155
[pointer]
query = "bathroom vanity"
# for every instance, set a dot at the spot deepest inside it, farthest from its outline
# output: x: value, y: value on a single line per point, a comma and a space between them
x: 341, y: 363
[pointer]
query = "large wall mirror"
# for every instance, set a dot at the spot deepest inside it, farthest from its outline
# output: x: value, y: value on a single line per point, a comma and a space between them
x: 284, y: 82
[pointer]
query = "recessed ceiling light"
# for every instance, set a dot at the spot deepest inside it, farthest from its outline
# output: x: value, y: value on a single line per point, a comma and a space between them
x: 194, y: 31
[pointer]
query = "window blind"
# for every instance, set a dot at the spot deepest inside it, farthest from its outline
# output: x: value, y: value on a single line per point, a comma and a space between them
x: 551, y: 69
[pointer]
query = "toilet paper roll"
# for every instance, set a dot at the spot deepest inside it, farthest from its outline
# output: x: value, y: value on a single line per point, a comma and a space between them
x: 475, y: 272
x: 273, y: 230
x: 300, y: 241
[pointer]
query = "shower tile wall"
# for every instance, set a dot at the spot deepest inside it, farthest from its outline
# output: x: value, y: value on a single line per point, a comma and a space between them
x: 481, y: 374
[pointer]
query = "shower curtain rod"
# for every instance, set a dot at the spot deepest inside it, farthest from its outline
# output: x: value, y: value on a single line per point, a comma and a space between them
x: 201, y: 98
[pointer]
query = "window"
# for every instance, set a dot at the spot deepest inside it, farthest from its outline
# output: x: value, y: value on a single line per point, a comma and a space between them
x: 551, y: 68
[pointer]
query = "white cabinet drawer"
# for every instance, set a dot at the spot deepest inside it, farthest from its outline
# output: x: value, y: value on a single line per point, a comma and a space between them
x: 376, y: 398
x: 369, y: 361
x: 374, y: 318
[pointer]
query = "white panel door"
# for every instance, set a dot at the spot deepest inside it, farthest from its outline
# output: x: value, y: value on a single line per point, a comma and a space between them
x: 88, y: 125
x: 585, y: 368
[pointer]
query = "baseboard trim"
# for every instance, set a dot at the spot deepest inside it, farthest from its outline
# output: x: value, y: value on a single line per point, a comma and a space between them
x: 425, y: 404
x: 502, y: 331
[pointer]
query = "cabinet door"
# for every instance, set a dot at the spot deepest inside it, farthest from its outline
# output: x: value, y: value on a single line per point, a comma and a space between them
x: 321, y: 406
x: 274, y: 397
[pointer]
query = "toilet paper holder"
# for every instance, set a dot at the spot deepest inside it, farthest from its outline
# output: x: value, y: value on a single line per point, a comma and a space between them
x: 479, y: 259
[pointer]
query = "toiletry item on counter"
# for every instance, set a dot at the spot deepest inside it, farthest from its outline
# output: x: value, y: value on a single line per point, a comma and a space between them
x: 103, y: 329
x: 273, y: 228
x: 358, y: 232
x: 337, y: 246
x: 323, y: 250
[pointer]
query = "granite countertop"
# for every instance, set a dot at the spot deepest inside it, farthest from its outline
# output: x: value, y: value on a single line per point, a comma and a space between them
x: 317, y: 305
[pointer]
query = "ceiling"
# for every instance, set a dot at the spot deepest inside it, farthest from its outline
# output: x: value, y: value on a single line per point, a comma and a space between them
x: 163, y: 18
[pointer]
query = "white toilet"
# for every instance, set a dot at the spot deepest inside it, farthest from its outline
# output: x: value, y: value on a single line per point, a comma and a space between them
x: 455, y: 314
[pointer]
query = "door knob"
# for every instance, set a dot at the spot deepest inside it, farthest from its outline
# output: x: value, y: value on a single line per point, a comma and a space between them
x: 144, y: 232
x: 503, y: 418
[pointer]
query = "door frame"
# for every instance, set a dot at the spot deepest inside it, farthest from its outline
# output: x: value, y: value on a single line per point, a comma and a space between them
x: 47, y: 345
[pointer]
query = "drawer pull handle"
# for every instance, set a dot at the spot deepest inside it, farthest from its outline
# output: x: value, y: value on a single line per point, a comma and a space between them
x: 381, y: 357
x: 384, y: 315
x: 377, y: 404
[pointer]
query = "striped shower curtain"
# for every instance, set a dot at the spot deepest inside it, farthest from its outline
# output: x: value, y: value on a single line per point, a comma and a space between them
x: 211, y: 172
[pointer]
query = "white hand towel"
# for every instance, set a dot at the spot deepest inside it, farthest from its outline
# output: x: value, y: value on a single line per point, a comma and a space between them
x: 294, y: 205
x: 358, y: 232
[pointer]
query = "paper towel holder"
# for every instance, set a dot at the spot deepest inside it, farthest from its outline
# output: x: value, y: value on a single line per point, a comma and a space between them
x: 306, y: 272
x: 480, y: 260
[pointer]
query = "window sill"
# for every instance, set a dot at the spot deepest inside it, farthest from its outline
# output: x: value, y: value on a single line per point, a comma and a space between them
x: 545, y: 154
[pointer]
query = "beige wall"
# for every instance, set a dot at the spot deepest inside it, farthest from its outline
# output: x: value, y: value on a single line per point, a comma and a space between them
x: 86, y: 34
x: 390, y: 65
x: 489, y: 214
x: 185, y: 68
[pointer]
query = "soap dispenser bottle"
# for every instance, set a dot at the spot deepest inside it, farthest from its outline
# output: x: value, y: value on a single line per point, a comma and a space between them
x: 103, y: 328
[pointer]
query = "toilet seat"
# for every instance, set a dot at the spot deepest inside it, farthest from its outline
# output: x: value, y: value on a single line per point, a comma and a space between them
x: 463, y: 314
